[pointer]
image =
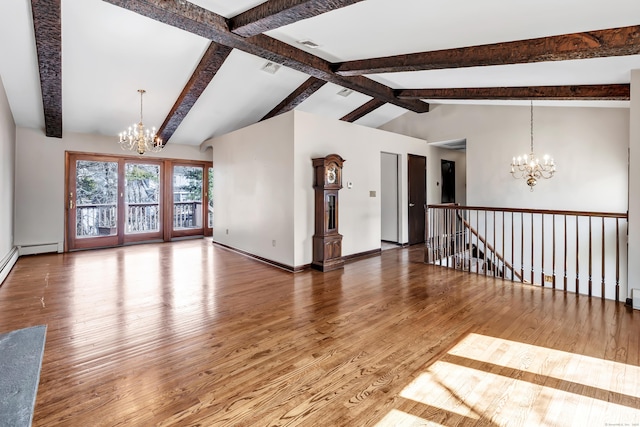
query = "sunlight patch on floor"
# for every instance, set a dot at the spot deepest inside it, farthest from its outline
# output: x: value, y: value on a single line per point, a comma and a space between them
x: 486, y: 379
x: 396, y: 418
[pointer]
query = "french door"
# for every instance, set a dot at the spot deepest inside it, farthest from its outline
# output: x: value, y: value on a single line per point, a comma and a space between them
x: 113, y: 200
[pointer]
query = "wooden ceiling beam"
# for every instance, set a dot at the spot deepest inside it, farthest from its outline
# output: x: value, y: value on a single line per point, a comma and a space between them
x: 209, y: 64
x: 363, y: 110
x: 616, y: 92
x: 273, y: 14
x: 48, y: 33
x: 591, y: 44
x: 200, y: 21
x: 304, y: 91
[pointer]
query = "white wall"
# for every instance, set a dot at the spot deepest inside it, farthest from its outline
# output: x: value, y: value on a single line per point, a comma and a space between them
x: 263, y: 184
x: 7, y: 168
x: 634, y: 182
x: 412, y: 124
x: 253, y: 189
x: 40, y: 175
x: 589, y: 146
x: 359, y: 214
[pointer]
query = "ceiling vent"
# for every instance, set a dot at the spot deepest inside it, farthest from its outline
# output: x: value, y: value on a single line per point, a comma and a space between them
x: 308, y: 43
x: 270, y: 67
x: 345, y: 92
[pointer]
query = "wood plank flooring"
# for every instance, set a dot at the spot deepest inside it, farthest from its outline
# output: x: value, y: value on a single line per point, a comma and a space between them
x: 191, y: 334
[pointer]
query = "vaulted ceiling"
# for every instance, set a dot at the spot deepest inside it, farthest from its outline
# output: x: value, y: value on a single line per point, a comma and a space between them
x: 213, y: 66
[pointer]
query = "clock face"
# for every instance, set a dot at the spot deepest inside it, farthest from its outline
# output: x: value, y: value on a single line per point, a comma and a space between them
x: 331, y: 174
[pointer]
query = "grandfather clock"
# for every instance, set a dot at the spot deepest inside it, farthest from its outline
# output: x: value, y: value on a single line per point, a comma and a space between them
x: 327, y: 243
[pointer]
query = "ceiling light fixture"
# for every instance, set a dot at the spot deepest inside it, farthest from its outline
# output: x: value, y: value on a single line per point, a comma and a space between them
x: 345, y: 92
x: 136, y: 138
x: 529, y: 166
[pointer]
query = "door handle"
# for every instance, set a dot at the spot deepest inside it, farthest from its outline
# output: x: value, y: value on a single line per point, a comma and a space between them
x: 411, y: 205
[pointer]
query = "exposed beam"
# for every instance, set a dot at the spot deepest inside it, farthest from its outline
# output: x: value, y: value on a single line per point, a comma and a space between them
x: 592, y: 44
x: 200, y: 21
x: 305, y: 90
x: 209, y: 65
x: 278, y: 13
x: 363, y: 110
x: 617, y: 92
x: 48, y: 32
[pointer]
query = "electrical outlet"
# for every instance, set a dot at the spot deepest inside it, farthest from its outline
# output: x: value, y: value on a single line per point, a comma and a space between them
x: 227, y: 231
x: 548, y: 279
x: 273, y: 243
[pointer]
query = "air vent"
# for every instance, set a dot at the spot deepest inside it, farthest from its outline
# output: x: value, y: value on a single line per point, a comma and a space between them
x: 345, y: 92
x: 308, y: 43
x: 270, y: 67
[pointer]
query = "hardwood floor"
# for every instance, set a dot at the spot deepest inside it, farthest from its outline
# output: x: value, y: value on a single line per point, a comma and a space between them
x: 189, y: 333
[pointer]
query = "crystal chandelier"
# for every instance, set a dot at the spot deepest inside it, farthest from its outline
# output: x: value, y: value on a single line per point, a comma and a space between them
x: 136, y: 138
x: 530, y: 167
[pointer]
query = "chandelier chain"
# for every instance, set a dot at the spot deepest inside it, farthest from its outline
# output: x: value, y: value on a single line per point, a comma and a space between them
x: 531, y: 126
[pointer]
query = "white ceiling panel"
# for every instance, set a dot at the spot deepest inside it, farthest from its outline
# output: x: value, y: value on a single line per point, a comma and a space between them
x: 377, y: 28
x: 540, y: 103
x: 381, y: 115
x: 19, y: 63
x: 239, y: 95
x: 227, y: 8
x: 577, y: 72
x: 326, y: 102
x: 100, y: 90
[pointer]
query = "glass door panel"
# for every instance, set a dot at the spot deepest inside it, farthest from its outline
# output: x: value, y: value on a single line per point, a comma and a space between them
x: 187, y: 198
x: 142, y: 198
x: 96, y: 200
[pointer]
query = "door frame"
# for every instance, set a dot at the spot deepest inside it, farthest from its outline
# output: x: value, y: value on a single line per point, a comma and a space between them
x: 166, y: 232
x: 398, y: 189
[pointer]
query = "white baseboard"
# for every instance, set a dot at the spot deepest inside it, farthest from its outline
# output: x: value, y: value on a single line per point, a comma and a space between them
x: 7, y: 263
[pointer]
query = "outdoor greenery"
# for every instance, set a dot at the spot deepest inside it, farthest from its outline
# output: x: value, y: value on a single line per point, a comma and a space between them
x: 142, y: 183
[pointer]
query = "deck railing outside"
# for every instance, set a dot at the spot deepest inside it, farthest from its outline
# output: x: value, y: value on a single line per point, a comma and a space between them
x: 581, y: 252
x: 101, y: 219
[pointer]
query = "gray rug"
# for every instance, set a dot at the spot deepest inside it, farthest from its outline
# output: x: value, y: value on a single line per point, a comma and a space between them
x: 20, y: 361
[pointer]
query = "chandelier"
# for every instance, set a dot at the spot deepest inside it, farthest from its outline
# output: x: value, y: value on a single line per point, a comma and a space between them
x: 530, y: 167
x: 139, y: 139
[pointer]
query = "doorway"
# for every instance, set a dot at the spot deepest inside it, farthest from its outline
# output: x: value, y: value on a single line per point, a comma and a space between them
x: 417, y: 180
x: 448, y: 179
x: 389, y: 198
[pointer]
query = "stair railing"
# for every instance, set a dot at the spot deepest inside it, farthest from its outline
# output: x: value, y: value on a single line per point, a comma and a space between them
x: 576, y: 251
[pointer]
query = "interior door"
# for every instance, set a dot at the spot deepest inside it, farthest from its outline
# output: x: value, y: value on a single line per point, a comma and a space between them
x: 93, y: 206
x: 417, y: 177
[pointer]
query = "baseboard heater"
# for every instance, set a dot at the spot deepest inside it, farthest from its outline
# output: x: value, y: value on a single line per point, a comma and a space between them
x: 41, y: 248
x: 635, y: 298
x: 7, y: 263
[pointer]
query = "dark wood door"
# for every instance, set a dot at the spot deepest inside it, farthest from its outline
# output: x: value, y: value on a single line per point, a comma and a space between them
x: 417, y: 172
